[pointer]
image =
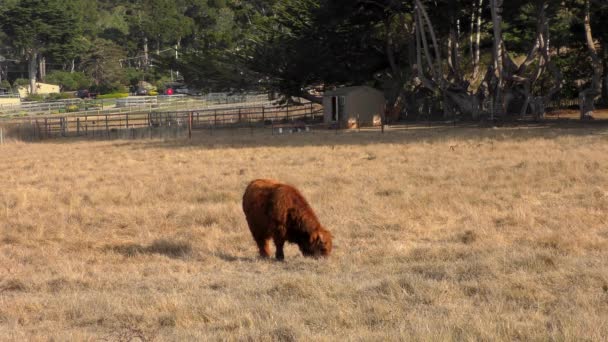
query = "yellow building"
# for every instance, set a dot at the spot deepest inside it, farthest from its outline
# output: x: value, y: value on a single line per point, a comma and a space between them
x: 41, y: 88
x: 9, y: 100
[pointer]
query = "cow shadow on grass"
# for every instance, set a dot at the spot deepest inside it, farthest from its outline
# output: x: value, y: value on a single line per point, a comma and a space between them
x: 171, y: 249
x: 233, y: 258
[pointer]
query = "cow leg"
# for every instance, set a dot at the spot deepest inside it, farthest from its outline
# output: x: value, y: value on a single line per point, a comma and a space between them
x: 279, y: 242
x: 264, y: 246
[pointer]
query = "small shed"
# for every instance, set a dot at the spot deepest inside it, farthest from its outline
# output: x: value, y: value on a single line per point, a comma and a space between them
x: 343, y: 106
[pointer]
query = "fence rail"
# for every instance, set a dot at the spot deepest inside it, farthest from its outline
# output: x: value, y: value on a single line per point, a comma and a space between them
x: 569, y: 103
x: 131, y: 103
x: 122, y: 125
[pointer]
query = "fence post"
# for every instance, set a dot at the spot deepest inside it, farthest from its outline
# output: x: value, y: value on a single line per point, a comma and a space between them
x: 311, y: 117
x: 250, y: 125
x: 46, y: 128
x: 38, y: 135
x: 239, y: 115
x: 107, y: 127
x: 263, y: 119
x: 215, y: 118
x: 190, y: 125
x: 127, y: 120
x: 1, y: 136
x: 288, y: 112
x: 77, y: 127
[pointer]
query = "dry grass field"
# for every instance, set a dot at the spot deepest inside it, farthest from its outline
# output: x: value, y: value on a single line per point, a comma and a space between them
x: 440, y: 234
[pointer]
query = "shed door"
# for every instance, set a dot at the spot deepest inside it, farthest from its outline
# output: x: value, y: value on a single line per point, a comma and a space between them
x: 337, y: 107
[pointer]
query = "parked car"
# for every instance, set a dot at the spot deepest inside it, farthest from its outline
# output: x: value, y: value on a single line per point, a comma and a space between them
x: 85, y: 94
x: 141, y: 92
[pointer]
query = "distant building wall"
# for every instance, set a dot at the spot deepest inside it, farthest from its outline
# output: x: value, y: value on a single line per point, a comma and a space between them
x: 41, y: 88
x: 9, y: 101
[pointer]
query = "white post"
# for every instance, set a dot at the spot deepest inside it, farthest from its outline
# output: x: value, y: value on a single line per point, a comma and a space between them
x: 1, y: 136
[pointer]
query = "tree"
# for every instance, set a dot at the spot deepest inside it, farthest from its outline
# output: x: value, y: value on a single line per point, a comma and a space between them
x: 35, y: 26
x: 589, y: 95
x: 102, y: 65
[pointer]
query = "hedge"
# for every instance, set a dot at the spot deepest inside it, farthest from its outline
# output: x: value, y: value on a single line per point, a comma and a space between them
x: 112, y: 96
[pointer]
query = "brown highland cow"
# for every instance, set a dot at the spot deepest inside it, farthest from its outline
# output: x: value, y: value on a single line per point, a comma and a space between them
x: 279, y: 211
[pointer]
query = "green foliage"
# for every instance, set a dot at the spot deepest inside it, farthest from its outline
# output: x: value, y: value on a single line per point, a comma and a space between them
x: 35, y: 97
x: 40, y: 27
x: 287, y: 46
x: 103, y: 64
x: 5, y: 84
x: 21, y: 82
x: 112, y: 96
x: 68, y: 80
x: 134, y: 76
x: 60, y: 96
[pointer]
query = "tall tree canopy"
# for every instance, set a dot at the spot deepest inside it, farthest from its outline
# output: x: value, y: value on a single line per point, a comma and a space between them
x: 39, y: 27
x: 465, y: 58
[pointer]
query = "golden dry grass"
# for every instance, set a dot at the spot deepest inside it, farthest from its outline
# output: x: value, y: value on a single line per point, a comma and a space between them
x: 440, y: 234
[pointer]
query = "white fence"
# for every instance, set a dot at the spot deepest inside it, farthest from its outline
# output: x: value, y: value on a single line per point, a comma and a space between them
x: 132, y: 101
x: 134, y: 104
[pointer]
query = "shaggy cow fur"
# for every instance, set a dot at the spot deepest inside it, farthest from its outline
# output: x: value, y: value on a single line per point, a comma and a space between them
x: 279, y: 211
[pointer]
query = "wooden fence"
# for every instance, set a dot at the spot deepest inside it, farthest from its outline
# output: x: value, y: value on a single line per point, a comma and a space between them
x: 569, y: 103
x: 131, y: 124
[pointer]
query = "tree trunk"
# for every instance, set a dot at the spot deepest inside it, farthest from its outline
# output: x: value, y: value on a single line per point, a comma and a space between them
x: 605, y: 74
x: 33, y: 69
x: 587, y: 97
x: 146, y: 59
x: 73, y: 67
x: 477, y: 41
x: 42, y: 68
x: 498, y: 93
x: 472, y: 31
x: 457, y: 56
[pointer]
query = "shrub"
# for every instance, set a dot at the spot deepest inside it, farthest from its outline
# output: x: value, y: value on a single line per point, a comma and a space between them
x: 35, y: 97
x: 112, y: 96
x: 21, y: 82
x: 60, y: 96
x: 72, y: 108
x: 152, y: 93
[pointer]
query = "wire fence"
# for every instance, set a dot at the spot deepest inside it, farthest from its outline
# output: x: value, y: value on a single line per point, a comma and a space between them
x: 160, y: 123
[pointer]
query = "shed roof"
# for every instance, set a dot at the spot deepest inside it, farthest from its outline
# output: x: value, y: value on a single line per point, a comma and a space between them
x: 347, y: 90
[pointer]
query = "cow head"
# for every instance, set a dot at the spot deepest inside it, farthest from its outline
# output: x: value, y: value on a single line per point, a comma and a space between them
x: 318, y: 245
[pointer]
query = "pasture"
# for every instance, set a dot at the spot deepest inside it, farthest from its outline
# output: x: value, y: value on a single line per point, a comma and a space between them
x: 439, y: 234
